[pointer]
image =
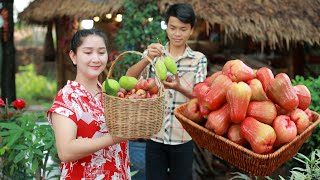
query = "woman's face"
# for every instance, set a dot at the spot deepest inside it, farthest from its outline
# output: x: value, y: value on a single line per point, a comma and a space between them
x: 178, y: 32
x: 91, y: 57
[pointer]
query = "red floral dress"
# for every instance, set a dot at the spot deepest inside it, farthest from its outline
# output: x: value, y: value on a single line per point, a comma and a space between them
x: 74, y: 102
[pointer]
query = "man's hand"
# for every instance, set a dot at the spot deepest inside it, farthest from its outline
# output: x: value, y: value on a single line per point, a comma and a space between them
x: 155, y: 50
x: 172, y: 83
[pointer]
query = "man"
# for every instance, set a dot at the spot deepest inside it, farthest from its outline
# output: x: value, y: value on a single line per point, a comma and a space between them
x: 169, y: 152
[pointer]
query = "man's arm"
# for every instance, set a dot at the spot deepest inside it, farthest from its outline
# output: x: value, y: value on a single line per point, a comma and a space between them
x: 154, y: 50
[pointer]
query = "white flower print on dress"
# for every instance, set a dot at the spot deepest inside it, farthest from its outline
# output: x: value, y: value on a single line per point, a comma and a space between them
x: 112, y: 162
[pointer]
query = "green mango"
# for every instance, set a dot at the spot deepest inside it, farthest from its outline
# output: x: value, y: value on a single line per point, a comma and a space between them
x: 111, y: 87
x: 171, y: 65
x: 128, y: 82
x: 161, y: 69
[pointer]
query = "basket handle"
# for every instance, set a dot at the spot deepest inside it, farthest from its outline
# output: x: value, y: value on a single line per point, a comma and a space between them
x: 161, y: 88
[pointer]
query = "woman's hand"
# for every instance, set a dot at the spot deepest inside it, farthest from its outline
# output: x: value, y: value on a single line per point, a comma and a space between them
x: 117, y: 140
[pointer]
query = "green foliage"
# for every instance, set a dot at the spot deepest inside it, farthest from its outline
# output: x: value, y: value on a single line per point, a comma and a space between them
x: 26, y: 146
x: 311, y: 168
x: 313, y: 142
x: 313, y: 84
x: 34, y: 88
x: 137, y: 32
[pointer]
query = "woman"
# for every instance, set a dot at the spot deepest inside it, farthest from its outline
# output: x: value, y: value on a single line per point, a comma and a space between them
x: 84, y: 145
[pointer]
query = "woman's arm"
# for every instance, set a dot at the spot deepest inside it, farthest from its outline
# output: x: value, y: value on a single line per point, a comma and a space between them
x: 69, y: 147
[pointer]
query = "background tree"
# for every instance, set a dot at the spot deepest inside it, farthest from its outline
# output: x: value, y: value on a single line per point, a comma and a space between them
x: 8, y: 86
x: 137, y: 31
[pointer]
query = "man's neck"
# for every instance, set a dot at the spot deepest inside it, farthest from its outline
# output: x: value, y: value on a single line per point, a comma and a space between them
x: 177, y: 51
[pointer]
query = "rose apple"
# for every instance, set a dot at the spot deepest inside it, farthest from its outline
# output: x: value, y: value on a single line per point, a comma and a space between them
x: 309, y: 114
x: 263, y: 111
x: 281, y: 111
x: 260, y: 136
x: 203, y: 110
x: 132, y: 91
x: 258, y: 94
x: 132, y: 96
x: 123, y: 91
x: 150, y: 83
x: 216, y: 94
x: 200, y: 89
x: 237, y: 71
x: 301, y: 119
x: 304, y: 96
x: 142, y: 84
x: 141, y: 93
x: 234, y: 134
x: 238, y: 97
x: 154, y: 96
x: 211, y: 78
x: 154, y: 90
x: 285, y: 129
x: 192, y: 111
x: 219, y: 120
x: 121, y: 94
x: 264, y: 75
x: 281, y: 92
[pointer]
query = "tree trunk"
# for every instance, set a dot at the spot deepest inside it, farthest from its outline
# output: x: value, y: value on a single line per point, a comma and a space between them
x: 49, y: 51
x: 65, y: 28
x: 8, y: 85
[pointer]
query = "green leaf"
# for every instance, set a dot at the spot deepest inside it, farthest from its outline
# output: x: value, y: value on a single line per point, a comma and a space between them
x: 19, y: 157
x: 38, y: 151
x: 20, y: 147
x: 10, y: 126
x: 35, y: 164
x: 12, y: 139
x: 49, y: 145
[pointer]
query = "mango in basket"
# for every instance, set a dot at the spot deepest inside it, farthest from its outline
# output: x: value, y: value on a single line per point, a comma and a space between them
x: 170, y: 65
x: 111, y: 87
x: 127, y: 82
x: 161, y: 69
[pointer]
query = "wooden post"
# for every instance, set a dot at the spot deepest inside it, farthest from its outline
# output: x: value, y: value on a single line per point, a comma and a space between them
x: 296, y: 61
x: 8, y: 82
x: 65, y: 28
x: 299, y: 60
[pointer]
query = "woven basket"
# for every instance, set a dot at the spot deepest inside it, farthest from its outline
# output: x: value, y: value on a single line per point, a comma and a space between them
x: 239, y: 156
x: 134, y: 118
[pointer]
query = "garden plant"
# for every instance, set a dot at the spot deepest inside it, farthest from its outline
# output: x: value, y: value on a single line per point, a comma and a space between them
x: 25, y: 144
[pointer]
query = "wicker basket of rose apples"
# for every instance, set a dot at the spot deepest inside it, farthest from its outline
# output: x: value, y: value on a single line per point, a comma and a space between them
x: 134, y: 108
x: 250, y: 118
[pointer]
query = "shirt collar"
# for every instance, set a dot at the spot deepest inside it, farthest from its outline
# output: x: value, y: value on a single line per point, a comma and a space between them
x: 188, y: 52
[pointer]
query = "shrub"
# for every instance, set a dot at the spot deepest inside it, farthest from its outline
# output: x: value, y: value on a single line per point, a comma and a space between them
x: 313, y: 142
x: 25, y: 145
x: 34, y: 88
x: 137, y: 32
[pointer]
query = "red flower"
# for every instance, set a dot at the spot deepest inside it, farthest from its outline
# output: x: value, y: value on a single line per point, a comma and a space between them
x: 19, y: 104
x: 1, y: 102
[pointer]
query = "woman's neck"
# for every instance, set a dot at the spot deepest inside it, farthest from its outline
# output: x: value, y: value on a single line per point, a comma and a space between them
x: 89, y: 84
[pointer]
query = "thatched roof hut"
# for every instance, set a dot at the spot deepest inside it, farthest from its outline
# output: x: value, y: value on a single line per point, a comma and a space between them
x: 43, y: 11
x: 275, y: 22
x: 64, y: 15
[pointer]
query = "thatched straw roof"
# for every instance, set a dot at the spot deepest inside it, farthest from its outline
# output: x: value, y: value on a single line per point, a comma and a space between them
x: 276, y: 22
x: 42, y: 11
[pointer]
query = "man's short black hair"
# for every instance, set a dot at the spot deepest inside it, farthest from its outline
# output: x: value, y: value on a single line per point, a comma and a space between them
x: 183, y: 11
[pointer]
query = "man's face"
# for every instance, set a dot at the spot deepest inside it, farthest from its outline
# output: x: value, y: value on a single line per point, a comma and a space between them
x: 178, y: 32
